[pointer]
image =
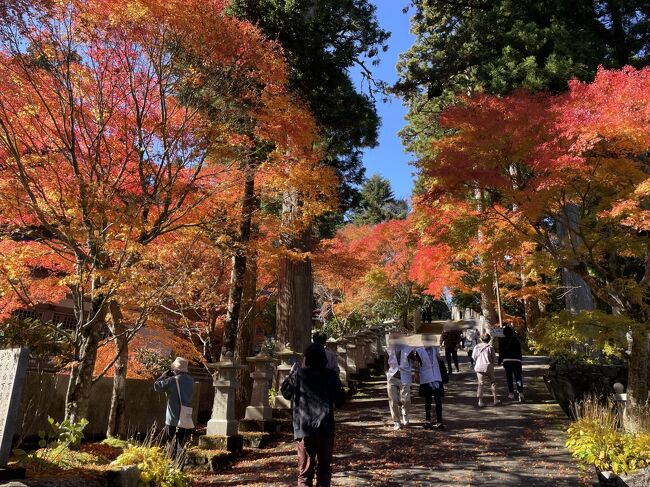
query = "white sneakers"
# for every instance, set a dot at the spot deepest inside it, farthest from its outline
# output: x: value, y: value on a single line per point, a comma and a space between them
x: 397, y: 426
x: 482, y: 404
x: 405, y: 421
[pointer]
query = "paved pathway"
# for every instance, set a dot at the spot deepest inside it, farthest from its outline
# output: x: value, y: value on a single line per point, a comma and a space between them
x: 511, y: 445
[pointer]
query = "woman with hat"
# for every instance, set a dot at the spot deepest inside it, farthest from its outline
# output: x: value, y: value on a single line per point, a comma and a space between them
x: 178, y: 385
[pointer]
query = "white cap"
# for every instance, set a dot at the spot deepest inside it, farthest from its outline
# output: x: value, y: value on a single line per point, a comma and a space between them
x: 180, y: 364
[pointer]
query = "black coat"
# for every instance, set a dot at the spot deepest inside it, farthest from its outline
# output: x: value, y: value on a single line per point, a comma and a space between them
x: 509, y: 348
x: 315, y: 392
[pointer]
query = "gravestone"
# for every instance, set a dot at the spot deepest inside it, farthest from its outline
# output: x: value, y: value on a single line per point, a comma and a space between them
x: 13, y: 368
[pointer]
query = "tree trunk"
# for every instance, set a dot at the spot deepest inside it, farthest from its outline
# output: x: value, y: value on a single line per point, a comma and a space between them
x: 578, y: 294
x: 117, y: 413
x: 246, y: 335
x: 638, y: 402
x: 486, y: 284
x: 294, y: 308
x: 488, y: 296
x: 81, y: 376
x: 239, y: 265
x: 294, y: 303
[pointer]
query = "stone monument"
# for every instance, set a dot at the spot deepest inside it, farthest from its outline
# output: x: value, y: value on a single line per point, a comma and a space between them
x: 259, y: 414
x: 222, y: 431
x: 287, y: 359
x: 13, y: 369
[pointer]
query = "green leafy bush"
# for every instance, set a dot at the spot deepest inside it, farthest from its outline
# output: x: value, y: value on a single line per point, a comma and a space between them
x: 580, y: 337
x: 156, y: 468
x: 594, y: 443
x: 56, y: 447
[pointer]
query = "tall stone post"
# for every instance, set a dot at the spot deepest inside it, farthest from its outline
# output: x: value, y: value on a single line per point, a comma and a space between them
x: 342, y: 360
x: 287, y: 358
x: 222, y: 430
x: 259, y: 413
x: 362, y: 353
x: 351, y: 357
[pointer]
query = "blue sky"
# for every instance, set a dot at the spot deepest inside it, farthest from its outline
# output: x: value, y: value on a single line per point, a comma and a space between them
x: 389, y: 158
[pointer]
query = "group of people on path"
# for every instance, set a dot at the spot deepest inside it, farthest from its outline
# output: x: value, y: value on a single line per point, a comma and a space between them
x: 315, y: 389
x: 401, y: 359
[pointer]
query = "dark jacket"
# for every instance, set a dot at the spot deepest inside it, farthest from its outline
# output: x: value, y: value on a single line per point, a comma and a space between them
x: 509, y: 348
x: 315, y: 391
x: 167, y: 384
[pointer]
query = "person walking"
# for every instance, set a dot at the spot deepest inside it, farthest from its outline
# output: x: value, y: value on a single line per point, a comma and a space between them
x: 399, y: 376
x: 471, y: 340
x: 510, y: 357
x: 485, y: 358
x: 433, y: 375
x: 178, y: 385
x: 332, y: 361
x: 450, y: 339
x: 315, y: 391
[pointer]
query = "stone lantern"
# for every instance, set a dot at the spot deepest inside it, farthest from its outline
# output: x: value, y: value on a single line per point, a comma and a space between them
x: 222, y: 430
x: 342, y: 360
x: 262, y: 375
x: 351, y: 348
x: 287, y: 358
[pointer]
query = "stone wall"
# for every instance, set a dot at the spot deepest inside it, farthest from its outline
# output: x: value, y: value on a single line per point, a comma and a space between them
x: 572, y: 382
x: 44, y: 395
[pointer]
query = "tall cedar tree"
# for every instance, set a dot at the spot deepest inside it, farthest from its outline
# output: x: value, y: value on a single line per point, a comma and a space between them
x: 322, y: 40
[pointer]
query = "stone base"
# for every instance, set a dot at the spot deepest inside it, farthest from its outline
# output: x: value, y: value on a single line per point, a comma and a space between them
x: 257, y: 439
x: 282, y: 414
x: 285, y: 426
x: 222, y: 427
x: 232, y: 444
x: 12, y: 473
x: 198, y: 460
x: 258, y: 413
x: 250, y: 425
x: 123, y: 476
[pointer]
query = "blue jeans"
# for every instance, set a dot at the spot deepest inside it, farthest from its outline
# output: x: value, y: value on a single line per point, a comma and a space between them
x: 513, y: 370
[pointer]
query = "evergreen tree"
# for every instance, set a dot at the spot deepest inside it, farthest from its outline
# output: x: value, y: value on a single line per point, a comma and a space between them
x: 378, y: 203
x: 500, y: 45
x: 322, y: 40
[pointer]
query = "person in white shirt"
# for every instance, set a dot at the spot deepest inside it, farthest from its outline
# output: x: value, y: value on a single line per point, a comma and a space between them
x: 433, y: 375
x: 399, y: 376
x: 485, y: 358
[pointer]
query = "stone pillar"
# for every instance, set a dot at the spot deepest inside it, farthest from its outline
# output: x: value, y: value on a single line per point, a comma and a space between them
x: 342, y: 360
x: 262, y: 375
x: 222, y: 430
x: 287, y: 359
x: 362, y: 356
x: 372, y: 344
x: 351, y: 357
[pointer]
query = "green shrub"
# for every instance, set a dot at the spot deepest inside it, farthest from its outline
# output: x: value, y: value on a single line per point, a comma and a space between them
x: 55, y: 447
x: 156, y: 468
x: 582, y: 337
x: 594, y: 443
x: 115, y: 442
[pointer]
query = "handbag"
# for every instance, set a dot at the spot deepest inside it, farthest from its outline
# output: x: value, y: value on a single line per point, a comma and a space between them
x: 443, y: 372
x: 185, y: 419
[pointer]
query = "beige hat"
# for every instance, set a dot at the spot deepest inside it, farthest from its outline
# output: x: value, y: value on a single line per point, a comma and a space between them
x: 180, y: 364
